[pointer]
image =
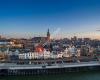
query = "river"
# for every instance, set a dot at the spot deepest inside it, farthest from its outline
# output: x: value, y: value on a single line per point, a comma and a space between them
x: 93, y: 75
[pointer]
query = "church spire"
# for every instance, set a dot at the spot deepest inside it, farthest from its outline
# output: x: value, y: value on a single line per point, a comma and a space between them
x: 48, y: 35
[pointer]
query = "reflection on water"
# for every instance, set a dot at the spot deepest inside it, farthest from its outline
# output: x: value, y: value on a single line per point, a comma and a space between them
x: 93, y: 75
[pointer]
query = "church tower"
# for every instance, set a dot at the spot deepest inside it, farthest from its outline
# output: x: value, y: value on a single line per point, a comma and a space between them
x: 48, y: 35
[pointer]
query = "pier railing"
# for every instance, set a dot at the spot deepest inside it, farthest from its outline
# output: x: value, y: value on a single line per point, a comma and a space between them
x: 55, y: 65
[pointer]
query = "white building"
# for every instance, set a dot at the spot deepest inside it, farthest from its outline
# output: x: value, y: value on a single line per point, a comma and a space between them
x: 54, y: 56
x: 28, y: 55
x: 35, y: 55
x: 21, y: 56
x: 72, y: 50
x: 66, y: 53
x: 46, y: 54
x: 78, y: 52
x: 60, y: 55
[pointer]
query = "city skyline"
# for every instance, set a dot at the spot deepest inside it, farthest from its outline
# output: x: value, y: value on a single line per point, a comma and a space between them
x: 65, y: 18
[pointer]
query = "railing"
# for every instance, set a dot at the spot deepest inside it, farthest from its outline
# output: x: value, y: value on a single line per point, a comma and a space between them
x: 42, y: 66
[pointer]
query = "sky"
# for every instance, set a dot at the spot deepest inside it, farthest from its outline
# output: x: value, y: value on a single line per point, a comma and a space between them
x: 64, y: 18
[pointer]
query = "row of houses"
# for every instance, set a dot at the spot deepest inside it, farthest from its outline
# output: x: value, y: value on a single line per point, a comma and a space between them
x: 45, y: 54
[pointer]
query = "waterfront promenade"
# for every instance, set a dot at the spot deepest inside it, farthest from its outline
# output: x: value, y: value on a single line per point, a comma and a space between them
x: 45, y: 66
x: 48, y: 66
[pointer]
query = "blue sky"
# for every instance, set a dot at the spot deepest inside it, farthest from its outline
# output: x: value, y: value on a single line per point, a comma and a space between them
x: 31, y: 18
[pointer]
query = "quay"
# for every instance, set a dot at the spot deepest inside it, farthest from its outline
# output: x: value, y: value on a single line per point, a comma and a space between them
x: 44, y: 69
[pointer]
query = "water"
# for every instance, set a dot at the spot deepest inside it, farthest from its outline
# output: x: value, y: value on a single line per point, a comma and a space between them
x: 93, y: 75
